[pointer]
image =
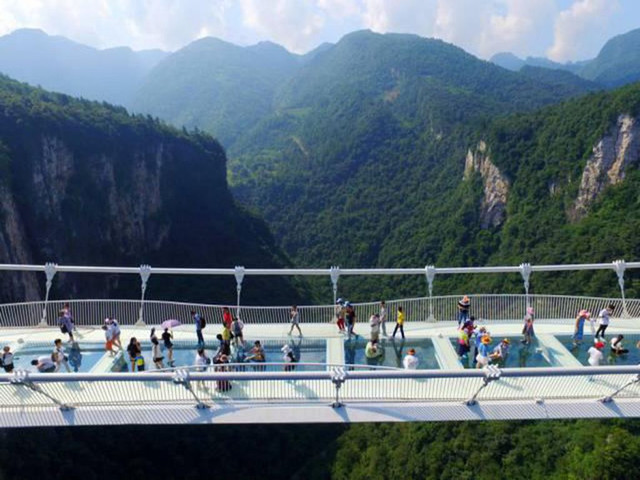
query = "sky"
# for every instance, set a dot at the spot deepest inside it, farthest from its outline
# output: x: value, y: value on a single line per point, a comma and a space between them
x: 562, y: 30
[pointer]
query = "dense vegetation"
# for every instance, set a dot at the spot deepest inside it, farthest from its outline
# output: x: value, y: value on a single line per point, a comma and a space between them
x: 216, y: 86
x: 365, y: 167
x: 589, y: 450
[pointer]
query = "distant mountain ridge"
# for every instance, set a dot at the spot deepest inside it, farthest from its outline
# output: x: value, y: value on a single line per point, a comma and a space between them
x: 216, y: 86
x: 617, y: 64
x: 59, y: 64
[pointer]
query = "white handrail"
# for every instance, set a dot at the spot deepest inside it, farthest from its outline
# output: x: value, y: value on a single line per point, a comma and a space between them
x: 368, y: 373
x: 317, y: 271
x: 487, y: 307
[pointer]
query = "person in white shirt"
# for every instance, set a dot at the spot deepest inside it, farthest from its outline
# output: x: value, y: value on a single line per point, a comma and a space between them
x: 45, y: 363
x: 616, y: 345
x: 374, y: 323
x: 595, y: 354
x: 202, y: 360
x: 61, y: 357
x: 410, y: 361
x: 383, y: 317
x: 604, y: 319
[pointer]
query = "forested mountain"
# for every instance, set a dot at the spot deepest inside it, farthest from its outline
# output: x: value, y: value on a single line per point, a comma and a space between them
x: 618, y: 63
x: 543, y: 187
x: 363, y: 163
x: 61, y: 65
x: 88, y: 184
x: 217, y: 86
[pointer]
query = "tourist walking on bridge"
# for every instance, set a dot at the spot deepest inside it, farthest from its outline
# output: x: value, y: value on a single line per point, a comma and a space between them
x: 339, y: 310
x: 482, y: 358
x: 604, y: 318
x: 383, y: 318
x: 134, y: 350
x: 463, y: 310
x: 527, y: 330
x: 61, y: 357
x: 237, y: 326
x: 156, y: 350
x: 227, y: 318
x: 66, y: 324
x: 114, y: 326
x: 399, y: 323
x: 7, y: 359
x: 350, y: 317
x: 374, y: 323
x: 167, y: 336
x: 480, y: 334
x: 463, y: 343
x: 578, y: 330
x: 200, y: 324
x: 294, y: 317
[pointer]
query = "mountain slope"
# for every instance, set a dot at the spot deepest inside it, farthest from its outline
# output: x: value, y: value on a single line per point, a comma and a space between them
x: 86, y: 183
x: 368, y: 146
x: 58, y: 64
x: 618, y: 63
x: 216, y: 86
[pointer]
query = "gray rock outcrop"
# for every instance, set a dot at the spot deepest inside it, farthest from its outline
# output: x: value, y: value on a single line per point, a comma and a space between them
x: 496, y: 186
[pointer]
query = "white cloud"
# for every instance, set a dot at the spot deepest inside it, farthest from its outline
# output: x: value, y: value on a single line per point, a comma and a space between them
x: 403, y: 16
x: 579, y: 29
x: 565, y: 28
x: 520, y: 29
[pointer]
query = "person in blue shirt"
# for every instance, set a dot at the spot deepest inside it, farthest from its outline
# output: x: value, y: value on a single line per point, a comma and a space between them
x: 483, y: 352
x: 198, y: 322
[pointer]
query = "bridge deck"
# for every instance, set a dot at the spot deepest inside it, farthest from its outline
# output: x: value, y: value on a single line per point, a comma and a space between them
x: 272, y: 397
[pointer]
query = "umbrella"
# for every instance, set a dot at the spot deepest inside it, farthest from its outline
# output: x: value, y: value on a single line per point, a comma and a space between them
x: 170, y: 323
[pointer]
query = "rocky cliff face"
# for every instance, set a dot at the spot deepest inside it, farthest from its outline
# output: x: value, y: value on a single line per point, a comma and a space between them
x: 606, y: 166
x: 496, y: 186
x: 83, y: 183
x: 13, y: 249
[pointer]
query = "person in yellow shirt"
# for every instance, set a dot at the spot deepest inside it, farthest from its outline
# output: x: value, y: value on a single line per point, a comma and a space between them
x: 399, y: 323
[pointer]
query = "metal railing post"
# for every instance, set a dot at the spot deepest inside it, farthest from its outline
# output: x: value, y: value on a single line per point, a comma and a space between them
x: 21, y: 377
x: 525, y: 271
x: 334, y: 272
x: 239, y: 274
x: 145, y: 273
x: 430, y: 272
x: 609, y: 398
x: 338, y: 377
x: 491, y: 373
x: 620, y: 266
x: 181, y: 377
x: 50, y: 272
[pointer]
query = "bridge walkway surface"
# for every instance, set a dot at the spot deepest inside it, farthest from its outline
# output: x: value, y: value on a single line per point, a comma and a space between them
x: 326, y: 393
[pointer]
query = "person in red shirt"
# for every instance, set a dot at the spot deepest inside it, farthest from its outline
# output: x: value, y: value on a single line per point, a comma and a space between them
x: 227, y: 318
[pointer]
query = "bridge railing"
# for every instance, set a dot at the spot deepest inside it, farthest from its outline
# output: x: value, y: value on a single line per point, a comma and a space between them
x: 418, y: 309
x: 205, y: 389
x: 444, y: 308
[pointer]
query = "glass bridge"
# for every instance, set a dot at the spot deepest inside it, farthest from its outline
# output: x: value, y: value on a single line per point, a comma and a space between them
x: 332, y: 380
